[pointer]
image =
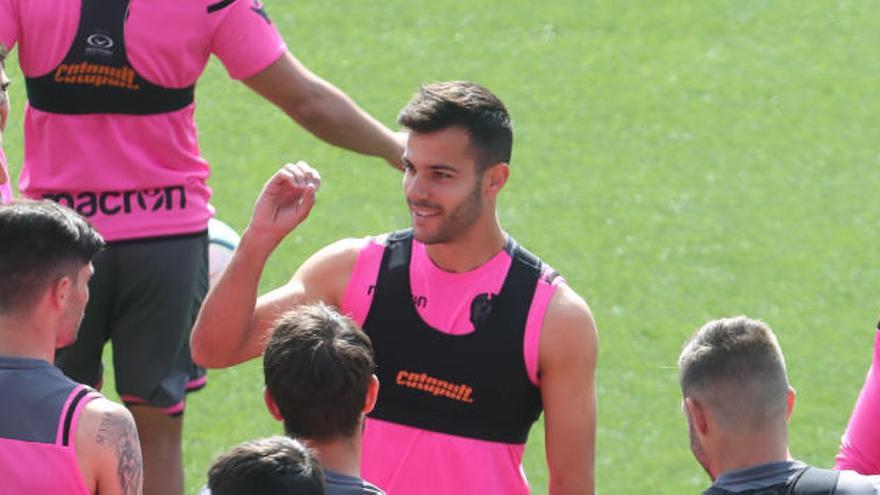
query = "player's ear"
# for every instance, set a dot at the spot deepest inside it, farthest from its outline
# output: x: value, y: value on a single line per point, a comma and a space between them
x: 61, y: 291
x: 494, y: 178
x: 372, y: 394
x: 271, y: 405
x: 791, y: 395
x: 698, y: 415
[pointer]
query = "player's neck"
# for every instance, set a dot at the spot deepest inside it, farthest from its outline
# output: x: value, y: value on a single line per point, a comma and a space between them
x: 342, y: 455
x: 20, y: 338
x: 750, y: 450
x: 470, y: 250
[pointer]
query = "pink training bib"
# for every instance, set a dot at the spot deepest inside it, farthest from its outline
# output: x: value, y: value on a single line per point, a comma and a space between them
x: 398, y: 458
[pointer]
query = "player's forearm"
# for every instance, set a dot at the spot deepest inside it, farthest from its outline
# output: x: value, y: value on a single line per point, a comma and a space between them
x: 571, y: 485
x: 333, y: 117
x: 324, y: 110
x: 222, y: 335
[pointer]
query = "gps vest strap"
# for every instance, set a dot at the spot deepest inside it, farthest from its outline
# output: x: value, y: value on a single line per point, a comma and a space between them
x: 815, y: 481
x: 96, y: 75
x: 473, y: 385
x: 809, y: 481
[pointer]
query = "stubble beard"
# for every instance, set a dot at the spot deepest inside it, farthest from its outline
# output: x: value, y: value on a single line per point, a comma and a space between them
x: 459, y: 220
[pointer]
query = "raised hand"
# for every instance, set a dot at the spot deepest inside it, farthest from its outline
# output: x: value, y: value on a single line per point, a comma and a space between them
x: 285, y: 201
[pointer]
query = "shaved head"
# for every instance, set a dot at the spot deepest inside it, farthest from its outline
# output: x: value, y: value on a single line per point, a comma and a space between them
x: 734, y: 366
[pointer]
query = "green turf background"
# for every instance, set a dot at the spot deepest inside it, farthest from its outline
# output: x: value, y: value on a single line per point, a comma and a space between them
x: 676, y: 160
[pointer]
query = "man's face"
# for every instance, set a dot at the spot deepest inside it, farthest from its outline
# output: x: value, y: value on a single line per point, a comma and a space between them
x: 75, y: 310
x: 441, y: 184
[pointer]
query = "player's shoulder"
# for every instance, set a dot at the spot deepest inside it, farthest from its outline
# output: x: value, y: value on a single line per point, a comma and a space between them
x: 107, y: 446
x: 333, y: 262
x: 101, y: 418
x: 342, y: 250
x: 349, y: 248
x: 568, y: 307
x: 568, y: 325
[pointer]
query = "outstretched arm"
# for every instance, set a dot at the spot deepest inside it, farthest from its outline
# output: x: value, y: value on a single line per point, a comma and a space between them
x: 567, y: 366
x: 325, y: 111
x: 108, y: 449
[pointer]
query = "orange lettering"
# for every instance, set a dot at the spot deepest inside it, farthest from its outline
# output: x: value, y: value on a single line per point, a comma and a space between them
x: 434, y: 386
x: 96, y: 75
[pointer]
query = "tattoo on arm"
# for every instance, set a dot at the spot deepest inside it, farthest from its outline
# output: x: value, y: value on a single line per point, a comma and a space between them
x: 120, y: 434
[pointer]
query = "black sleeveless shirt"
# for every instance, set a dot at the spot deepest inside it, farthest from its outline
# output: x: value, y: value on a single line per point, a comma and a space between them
x: 473, y: 385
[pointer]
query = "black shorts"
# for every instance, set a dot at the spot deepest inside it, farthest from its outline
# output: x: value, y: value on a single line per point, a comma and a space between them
x: 144, y: 298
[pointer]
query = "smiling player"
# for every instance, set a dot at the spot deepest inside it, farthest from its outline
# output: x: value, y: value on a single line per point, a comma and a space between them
x: 473, y: 335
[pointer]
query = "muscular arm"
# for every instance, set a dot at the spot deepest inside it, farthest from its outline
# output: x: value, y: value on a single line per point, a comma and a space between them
x: 325, y: 111
x: 108, y: 449
x: 567, y: 365
x: 233, y: 324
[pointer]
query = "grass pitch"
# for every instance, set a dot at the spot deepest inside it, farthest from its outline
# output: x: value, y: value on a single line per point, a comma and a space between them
x: 677, y: 161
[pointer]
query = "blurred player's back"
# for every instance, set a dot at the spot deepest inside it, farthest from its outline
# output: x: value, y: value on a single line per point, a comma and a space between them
x: 39, y: 413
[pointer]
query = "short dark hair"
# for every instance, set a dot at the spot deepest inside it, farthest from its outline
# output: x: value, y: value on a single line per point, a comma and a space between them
x: 735, y: 365
x: 269, y: 466
x: 467, y: 105
x: 318, y: 366
x: 40, y: 241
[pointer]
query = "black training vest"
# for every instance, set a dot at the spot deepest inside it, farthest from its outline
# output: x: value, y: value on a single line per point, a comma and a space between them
x: 809, y: 481
x: 96, y: 75
x: 473, y: 385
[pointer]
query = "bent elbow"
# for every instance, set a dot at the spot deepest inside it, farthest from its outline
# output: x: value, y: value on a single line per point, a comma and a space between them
x: 203, y: 355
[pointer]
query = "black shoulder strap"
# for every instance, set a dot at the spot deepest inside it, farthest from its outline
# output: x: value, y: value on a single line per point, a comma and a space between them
x: 815, y: 481
x: 517, y: 251
x: 71, y: 411
x: 398, y: 249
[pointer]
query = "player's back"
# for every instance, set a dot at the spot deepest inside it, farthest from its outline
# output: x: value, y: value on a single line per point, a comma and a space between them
x: 109, y: 128
x: 39, y: 411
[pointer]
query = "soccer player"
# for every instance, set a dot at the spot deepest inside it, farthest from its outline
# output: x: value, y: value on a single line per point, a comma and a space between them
x: 737, y: 401
x: 268, y: 466
x: 319, y: 381
x: 474, y: 336
x: 56, y: 436
x: 109, y: 131
x: 860, y: 445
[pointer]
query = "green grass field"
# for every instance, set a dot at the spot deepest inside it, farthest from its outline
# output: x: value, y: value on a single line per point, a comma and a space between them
x: 677, y: 161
